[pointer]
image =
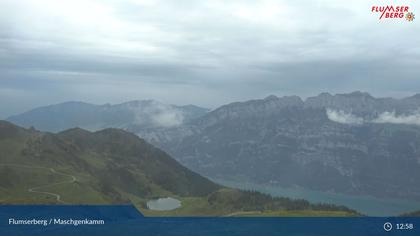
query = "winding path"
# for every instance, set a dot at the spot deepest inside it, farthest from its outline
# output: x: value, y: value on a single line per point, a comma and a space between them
x: 35, y: 189
x: 239, y: 213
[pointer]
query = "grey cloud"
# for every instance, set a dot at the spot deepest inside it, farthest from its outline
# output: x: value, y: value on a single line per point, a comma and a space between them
x: 67, y: 62
x: 202, y: 52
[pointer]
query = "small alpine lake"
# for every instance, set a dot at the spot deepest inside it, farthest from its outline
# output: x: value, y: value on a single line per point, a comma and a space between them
x: 163, y: 204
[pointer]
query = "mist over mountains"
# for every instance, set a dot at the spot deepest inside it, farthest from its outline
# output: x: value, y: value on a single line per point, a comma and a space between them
x: 346, y: 143
x: 358, y: 108
x: 353, y: 108
x: 412, y: 118
x: 128, y: 115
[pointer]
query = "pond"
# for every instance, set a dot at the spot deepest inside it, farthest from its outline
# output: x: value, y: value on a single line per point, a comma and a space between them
x: 163, y: 204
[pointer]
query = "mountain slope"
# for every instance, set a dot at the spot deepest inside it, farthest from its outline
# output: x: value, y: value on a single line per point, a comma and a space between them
x: 113, y: 166
x: 110, y: 157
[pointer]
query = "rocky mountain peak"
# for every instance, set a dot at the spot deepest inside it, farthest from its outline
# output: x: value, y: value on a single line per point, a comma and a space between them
x: 357, y: 94
x: 271, y: 97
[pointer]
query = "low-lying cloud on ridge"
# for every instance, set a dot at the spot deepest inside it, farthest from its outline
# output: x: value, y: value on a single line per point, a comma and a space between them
x: 158, y: 115
x: 391, y: 117
x: 343, y: 117
x: 168, y: 118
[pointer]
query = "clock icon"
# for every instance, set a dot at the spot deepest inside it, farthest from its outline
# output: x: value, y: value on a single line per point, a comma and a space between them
x: 387, y: 226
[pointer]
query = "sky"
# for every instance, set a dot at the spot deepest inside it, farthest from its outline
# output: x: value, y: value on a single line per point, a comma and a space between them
x: 206, y: 53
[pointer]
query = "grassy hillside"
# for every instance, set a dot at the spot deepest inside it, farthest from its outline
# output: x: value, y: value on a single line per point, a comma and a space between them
x: 114, y: 166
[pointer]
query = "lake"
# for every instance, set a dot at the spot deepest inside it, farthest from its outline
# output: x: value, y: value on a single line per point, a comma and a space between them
x: 367, y: 205
x: 163, y: 204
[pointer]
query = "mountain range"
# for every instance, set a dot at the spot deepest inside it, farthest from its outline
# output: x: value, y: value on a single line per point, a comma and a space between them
x: 133, y: 115
x: 345, y: 143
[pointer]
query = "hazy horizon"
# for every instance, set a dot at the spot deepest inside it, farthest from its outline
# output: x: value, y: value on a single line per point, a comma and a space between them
x: 210, y: 108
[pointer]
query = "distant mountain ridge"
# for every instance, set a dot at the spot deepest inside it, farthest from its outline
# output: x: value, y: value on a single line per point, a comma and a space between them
x: 359, y: 103
x: 135, y: 116
x: 128, y: 115
x: 363, y: 104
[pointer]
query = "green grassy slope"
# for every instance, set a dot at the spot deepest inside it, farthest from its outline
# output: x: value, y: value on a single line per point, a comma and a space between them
x: 113, y: 166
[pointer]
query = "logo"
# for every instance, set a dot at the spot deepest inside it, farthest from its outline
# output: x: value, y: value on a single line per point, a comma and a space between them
x: 410, y: 16
x: 393, y: 12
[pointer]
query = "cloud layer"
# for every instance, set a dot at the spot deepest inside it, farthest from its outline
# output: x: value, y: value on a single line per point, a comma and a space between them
x: 343, y: 117
x: 202, y: 52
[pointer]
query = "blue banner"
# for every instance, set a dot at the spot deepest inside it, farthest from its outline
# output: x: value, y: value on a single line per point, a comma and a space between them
x: 126, y: 220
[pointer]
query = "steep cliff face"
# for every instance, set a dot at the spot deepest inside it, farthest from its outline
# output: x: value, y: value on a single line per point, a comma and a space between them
x: 290, y: 142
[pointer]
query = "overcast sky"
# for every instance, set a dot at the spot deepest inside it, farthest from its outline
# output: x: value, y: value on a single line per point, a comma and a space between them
x: 200, y: 52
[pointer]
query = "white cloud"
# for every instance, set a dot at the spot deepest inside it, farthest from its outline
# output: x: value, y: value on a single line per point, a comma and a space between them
x: 157, y: 114
x: 168, y: 118
x: 391, y: 117
x: 343, y: 117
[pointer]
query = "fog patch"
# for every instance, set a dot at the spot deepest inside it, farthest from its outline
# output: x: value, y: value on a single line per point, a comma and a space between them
x: 156, y: 114
x: 343, y: 117
x: 168, y: 118
x: 391, y: 117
